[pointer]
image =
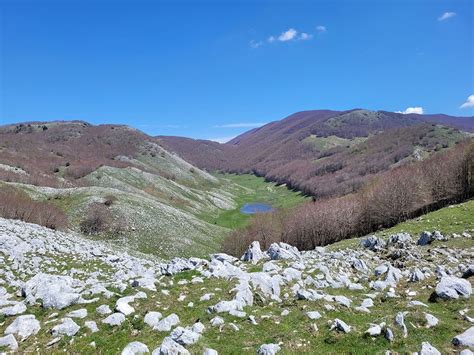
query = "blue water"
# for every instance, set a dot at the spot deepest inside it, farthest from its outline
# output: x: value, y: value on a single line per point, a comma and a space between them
x: 252, y: 208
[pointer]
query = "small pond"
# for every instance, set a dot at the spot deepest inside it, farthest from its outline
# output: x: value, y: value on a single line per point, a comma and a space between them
x: 256, y: 207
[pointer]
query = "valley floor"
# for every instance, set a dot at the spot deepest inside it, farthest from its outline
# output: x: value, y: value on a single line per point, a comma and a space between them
x: 162, y: 217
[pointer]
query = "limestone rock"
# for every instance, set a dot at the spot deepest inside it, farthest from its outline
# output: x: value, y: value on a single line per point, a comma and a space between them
x: 465, y: 339
x: 165, y: 324
x: 278, y: 251
x: 24, y: 326
x: 66, y: 327
x: 268, y: 349
x: 170, y: 347
x: 54, y: 291
x: 135, y: 348
x: 9, y: 342
x: 80, y: 313
x: 451, y: 287
x: 428, y: 349
x: 114, y: 319
x: 253, y: 253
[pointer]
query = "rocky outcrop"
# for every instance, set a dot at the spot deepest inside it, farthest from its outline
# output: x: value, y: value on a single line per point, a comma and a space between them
x: 321, y: 288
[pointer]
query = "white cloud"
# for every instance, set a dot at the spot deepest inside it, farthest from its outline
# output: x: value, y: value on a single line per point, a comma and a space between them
x: 446, y: 15
x: 469, y: 102
x: 255, y: 44
x: 321, y: 29
x: 288, y: 35
x: 240, y: 125
x: 417, y: 110
x: 222, y: 139
x: 305, y: 36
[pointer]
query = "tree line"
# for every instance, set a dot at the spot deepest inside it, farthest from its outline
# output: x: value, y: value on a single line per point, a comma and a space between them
x: 389, y: 198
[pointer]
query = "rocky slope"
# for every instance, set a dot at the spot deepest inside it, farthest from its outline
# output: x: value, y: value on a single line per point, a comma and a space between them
x: 157, y: 196
x: 60, y: 292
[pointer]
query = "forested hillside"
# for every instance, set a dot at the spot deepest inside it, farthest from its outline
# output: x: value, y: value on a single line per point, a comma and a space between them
x: 326, y: 153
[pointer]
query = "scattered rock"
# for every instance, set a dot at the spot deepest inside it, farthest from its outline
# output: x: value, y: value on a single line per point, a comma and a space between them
x: 282, y: 250
x: 389, y: 334
x: 268, y: 349
x: 425, y: 238
x: 169, y: 347
x: 54, y: 291
x: 428, y: 349
x: 24, y: 326
x: 451, y: 287
x: 16, y: 309
x: 103, y: 309
x: 80, y: 313
x: 185, y: 336
x: 400, y: 321
x: 91, y: 325
x: 399, y: 239
x: 253, y: 253
x: 373, y: 243
x: 9, y: 342
x: 135, y: 348
x: 343, y: 300
x: 468, y: 272
x: 431, y: 320
x: 67, y: 327
x: 217, y: 321
x: 340, y: 325
x: 114, y: 319
x: 416, y: 275
x: 465, y: 339
x: 313, y: 315
x: 165, y: 324
x: 152, y: 318
x: 374, y: 330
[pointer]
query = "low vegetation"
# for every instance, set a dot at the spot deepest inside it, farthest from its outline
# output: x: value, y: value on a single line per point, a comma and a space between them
x: 15, y: 204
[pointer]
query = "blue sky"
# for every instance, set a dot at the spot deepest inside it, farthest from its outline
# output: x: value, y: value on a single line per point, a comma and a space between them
x: 213, y: 69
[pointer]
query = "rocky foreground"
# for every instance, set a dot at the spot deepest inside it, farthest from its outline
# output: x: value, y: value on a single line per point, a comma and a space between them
x: 60, y: 292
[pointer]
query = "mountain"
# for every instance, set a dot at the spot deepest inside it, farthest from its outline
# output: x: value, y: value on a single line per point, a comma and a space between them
x: 60, y: 154
x: 327, y: 153
x: 113, y: 182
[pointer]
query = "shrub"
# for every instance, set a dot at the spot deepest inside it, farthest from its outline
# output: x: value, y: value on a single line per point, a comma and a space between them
x: 100, y: 221
x: 15, y: 204
x: 97, y: 220
x: 110, y: 200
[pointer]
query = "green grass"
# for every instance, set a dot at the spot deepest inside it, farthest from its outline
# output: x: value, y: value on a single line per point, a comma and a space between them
x: 249, y: 188
x: 325, y: 143
x: 453, y: 219
x: 296, y: 331
x: 153, y: 209
x: 449, y: 220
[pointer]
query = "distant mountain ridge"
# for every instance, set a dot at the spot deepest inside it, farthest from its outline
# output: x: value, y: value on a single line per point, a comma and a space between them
x: 308, y: 147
